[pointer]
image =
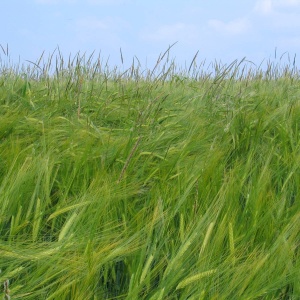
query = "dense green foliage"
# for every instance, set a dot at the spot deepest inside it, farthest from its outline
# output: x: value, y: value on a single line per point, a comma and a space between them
x: 122, y: 186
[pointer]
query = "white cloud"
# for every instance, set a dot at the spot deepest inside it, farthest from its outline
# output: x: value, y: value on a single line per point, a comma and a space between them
x: 279, y: 14
x: 263, y: 7
x: 234, y: 27
x: 269, y: 6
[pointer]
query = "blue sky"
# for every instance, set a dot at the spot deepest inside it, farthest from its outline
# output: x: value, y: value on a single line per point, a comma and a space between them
x: 221, y: 30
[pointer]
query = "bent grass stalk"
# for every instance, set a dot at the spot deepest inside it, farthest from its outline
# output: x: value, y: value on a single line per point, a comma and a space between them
x: 129, y: 158
x: 6, y: 290
x: 193, y: 279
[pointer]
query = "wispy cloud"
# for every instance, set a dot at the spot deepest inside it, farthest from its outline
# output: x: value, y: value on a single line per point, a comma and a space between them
x: 234, y: 27
x: 279, y: 14
x: 263, y: 7
x: 266, y: 7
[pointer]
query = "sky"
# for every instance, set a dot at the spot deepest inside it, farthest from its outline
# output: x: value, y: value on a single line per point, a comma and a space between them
x: 220, y: 30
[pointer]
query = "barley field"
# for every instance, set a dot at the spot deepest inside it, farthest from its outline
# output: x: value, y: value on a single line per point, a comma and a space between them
x: 156, y: 184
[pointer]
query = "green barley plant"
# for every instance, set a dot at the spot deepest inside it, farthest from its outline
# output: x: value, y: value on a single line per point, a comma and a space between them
x: 157, y: 183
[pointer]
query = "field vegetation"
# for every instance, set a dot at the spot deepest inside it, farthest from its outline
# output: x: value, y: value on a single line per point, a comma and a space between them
x: 155, y: 184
